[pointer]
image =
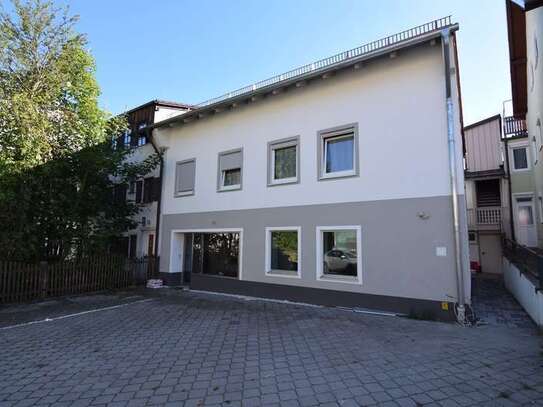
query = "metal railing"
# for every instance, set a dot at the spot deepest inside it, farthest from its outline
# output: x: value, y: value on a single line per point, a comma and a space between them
x: 514, y: 126
x: 341, y: 57
x: 528, y: 261
x: 488, y: 216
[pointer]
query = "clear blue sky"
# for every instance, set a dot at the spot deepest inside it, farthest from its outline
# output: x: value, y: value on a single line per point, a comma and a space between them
x: 189, y: 51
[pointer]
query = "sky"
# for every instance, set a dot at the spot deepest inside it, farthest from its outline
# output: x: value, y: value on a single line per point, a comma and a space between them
x: 190, y: 51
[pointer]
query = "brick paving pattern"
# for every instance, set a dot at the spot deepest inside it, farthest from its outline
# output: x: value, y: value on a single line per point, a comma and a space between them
x: 193, y: 349
x: 494, y: 305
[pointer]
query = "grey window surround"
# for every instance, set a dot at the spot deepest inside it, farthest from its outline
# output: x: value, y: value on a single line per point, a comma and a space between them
x: 276, y: 144
x: 236, y: 161
x: 180, y: 191
x: 322, y: 135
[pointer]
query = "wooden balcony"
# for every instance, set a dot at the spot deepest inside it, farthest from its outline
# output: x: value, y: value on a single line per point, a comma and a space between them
x: 514, y: 126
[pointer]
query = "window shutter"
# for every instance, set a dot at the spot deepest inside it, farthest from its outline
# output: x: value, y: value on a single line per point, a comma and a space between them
x: 139, y: 191
x: 119, y: 193
x: 184, y: 176
x: 133, y: 138
x: 155, y: 194
x: 147, y: 190
x: 229, y: 161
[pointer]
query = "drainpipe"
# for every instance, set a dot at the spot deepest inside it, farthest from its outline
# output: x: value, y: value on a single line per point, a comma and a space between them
x: 461, y: 304
x: 159, y: 201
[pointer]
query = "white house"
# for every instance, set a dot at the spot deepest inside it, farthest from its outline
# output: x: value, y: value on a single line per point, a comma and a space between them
x: 141, y: 240
x: 329, y: 184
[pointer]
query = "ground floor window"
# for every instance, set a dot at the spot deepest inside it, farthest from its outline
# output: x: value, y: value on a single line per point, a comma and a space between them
x: 338, y: 253
x: 216, y: 254
x: 283, y: 246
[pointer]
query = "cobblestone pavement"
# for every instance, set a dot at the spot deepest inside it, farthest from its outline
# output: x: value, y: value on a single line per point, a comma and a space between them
x: 494, y: 305
x: 193, y: 349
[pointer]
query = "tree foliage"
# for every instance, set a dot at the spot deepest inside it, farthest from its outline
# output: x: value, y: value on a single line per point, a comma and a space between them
x: 57, y: 167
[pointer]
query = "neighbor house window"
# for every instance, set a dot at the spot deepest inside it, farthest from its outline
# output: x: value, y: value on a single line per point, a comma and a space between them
x: 520, y: 158
x: 185, y: 174
x: 283, y: 161
x: 283, y: 251
x: 142, y: 137
x: 230, y: 170
x: 338, y: 254
x: 338, y: 152
x: 127, y: 138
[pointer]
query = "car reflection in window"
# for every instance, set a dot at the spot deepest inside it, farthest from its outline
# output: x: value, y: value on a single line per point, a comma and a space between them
x: 340, y: 262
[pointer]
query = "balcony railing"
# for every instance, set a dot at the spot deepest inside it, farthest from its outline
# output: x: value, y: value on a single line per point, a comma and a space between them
x: 514, y: 126
x: 485, y: 216
x: 338, y: 58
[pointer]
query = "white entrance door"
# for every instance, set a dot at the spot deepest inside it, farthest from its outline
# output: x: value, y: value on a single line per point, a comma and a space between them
x: 525, y: 213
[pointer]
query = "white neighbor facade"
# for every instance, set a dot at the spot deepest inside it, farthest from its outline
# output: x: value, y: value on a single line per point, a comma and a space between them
x: 328, y: 185
x: 141, y: 240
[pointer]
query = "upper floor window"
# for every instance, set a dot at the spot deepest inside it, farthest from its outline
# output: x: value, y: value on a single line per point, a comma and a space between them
x: 126, y: 138
x: 338, y: 152
x: 230, y: 169
x: 185, y: 175
x: 520, y: 158
x: 283, y: 161
x: 142, y: 136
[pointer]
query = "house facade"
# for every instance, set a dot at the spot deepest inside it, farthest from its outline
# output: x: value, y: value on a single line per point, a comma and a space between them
x: 523, y: 128
x: 329, y: 184
x: 141, y: 241
x: 487, y: 194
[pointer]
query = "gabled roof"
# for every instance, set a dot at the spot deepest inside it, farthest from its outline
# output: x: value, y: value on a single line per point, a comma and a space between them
x: 319, y: 69
x: 158, y: 102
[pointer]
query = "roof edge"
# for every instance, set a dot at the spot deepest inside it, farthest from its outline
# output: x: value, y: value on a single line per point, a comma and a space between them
x: 200, y: 110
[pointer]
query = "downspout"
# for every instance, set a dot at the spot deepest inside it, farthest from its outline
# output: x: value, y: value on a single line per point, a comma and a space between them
x: 159, y: 200
x: 461, y: 304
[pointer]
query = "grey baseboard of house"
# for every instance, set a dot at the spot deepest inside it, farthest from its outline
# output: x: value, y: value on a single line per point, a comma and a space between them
x: 412, y: 307
x: 172, y: 279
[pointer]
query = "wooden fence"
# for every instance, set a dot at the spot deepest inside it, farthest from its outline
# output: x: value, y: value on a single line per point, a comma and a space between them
x: 20, y: 282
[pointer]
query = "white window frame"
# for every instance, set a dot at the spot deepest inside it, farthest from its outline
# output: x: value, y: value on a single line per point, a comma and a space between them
x: 223, y: 187
x: 345, y: 131
x: 277, y: 145
x: 221, y: 174
x: 282, y: 273
x: 319, y: 255
x: 528, y: 160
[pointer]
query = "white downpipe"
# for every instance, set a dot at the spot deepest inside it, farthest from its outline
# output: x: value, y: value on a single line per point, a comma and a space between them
x: 461, y: 304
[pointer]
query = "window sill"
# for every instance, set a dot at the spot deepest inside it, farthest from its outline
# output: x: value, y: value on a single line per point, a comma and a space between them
x: 339, y: 279
x: 336, y: 175
x: 229, y: 188
x: 283, y: 273
x: 286, y: 181
x: 181, y: 194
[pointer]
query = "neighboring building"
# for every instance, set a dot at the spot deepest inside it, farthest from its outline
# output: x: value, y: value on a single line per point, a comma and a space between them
x: 328, y: 184
x: 525, y: 29
x: 141, y: 241
x: 487, y: 194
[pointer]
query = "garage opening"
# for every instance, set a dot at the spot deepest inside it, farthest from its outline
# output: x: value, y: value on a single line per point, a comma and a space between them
x: 213, y: 253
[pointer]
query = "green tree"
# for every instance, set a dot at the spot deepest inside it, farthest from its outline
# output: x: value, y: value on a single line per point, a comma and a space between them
x: 57, y: 167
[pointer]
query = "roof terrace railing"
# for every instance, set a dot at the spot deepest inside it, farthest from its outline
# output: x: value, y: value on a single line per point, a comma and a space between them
x: 335, y: 59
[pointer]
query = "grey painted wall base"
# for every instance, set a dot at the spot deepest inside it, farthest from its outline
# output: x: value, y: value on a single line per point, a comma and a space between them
x: 172, y: 279
x: 424, y: 309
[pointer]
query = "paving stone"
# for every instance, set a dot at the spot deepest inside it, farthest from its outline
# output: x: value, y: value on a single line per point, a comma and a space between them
x: 194, y: 349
